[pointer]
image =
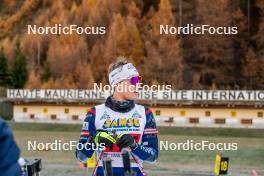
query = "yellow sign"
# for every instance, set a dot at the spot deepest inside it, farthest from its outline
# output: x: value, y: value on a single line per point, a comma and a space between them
x: 221, y: 165
x: 217, y: 164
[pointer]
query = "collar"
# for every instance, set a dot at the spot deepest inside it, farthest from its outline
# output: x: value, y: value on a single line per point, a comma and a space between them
x: 119, y: 106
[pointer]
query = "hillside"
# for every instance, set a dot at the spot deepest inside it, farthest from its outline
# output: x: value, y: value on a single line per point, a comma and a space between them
x: 132, y: 29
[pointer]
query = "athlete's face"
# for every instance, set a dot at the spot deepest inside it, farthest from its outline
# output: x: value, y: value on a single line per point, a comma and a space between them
x: 127, y: 91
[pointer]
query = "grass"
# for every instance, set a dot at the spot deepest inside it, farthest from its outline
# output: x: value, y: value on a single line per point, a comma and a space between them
x: 249, y: 156
x: 190, y: 131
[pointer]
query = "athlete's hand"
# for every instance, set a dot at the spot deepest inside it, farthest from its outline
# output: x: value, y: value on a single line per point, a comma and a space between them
x: 125, y: 140
x: 102, y: 136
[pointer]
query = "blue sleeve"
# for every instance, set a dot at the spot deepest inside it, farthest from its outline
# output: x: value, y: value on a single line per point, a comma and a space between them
x: 9, y: 153
x: 88, y: 131
x: 148, y: 149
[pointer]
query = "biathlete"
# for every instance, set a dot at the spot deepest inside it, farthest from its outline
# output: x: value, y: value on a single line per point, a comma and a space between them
x: 120, y: 123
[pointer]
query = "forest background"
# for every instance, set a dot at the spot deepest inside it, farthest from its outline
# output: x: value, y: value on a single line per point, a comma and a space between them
x: 132, y: 30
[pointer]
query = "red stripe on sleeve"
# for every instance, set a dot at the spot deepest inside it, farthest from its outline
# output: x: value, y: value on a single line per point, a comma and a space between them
x: 154, y: 132
x: 85, y: 133
x: 92, y: 111
x: 148, y: 111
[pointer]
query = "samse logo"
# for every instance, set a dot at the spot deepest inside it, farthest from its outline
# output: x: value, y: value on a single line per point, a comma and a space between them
x: 121, y: 123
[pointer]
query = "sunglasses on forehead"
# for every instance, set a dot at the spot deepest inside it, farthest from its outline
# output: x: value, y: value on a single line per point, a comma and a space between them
x: 135, y: 79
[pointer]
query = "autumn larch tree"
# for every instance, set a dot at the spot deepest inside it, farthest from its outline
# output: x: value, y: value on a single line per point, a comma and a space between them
x: 163, y: 63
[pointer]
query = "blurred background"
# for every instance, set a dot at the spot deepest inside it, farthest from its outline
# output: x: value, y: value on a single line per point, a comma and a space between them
x: 194, y: 62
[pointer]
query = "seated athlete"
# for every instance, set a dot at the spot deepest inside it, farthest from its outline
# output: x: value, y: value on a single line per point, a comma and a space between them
x: 133, y: 125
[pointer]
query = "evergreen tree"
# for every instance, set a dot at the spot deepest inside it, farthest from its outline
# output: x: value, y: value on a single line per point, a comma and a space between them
x: 259, y: 84
x: 19, y: 71
x: 242, y: 48
x: 4, y: 76
x: 46, y: 73
x: 214, y: 61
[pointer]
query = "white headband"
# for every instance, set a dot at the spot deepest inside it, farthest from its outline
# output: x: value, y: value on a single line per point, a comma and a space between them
x: 122, y: 73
